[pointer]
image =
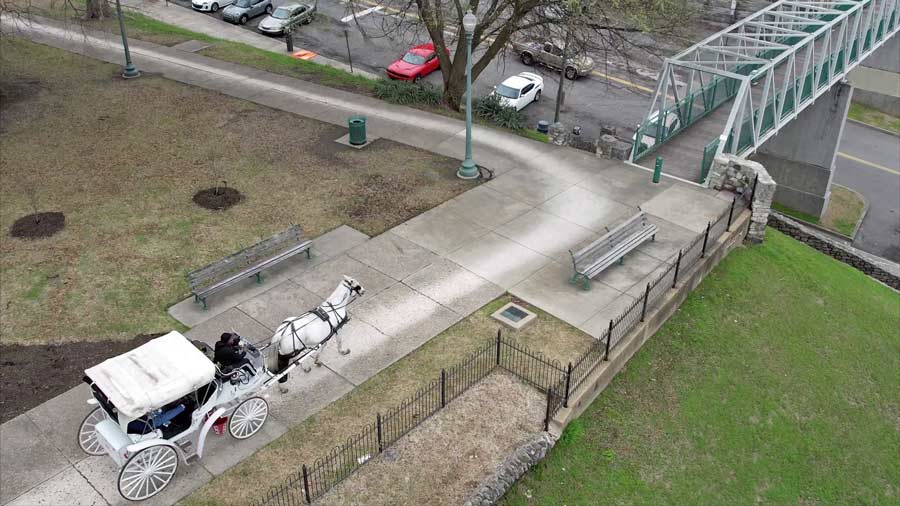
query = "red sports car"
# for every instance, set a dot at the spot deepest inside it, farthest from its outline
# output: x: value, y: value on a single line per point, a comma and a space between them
x: 417, y: 63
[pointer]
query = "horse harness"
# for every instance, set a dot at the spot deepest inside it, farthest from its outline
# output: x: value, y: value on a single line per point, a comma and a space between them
x: 324, y: 316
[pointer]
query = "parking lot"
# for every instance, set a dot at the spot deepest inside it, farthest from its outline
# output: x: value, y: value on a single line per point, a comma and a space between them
x: 590, y: 101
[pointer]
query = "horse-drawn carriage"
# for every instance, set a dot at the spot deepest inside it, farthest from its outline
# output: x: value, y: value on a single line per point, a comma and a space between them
x: 156, y: 404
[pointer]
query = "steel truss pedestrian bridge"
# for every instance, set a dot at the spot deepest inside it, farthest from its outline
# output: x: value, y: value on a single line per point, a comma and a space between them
x: 768, y: 67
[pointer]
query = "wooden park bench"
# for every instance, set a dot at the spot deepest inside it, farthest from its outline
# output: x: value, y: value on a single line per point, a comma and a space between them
x: 247, y: 262
x: 611, y: 248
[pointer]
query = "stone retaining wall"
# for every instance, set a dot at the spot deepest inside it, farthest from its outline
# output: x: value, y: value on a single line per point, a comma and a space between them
x: 524, y: 458
x: 836, y: 249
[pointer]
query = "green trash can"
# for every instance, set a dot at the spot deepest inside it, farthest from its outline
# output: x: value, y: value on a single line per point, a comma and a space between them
x: 357, y: 130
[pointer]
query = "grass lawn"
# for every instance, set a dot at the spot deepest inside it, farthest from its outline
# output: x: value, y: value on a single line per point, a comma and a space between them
x: 845, y: 208
x: 775, y: 383
x: 122, y: 160
x: 874, y: 117
x: 148, y: 29
x: 333, y: 425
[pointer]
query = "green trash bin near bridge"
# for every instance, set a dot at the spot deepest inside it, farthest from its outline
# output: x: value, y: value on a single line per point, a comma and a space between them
x: 357, y: 126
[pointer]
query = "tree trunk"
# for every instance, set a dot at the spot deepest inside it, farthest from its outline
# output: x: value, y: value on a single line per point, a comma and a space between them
x: 96, y: 9
x: 455, y: 93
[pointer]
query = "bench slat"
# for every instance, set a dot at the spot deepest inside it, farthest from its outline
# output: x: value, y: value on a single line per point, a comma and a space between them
x: 612, y: 246
x: 247, y: 262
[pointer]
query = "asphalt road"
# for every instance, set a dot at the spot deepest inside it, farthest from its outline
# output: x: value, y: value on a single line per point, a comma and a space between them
x: 590, y: 101
x: 869, y: 162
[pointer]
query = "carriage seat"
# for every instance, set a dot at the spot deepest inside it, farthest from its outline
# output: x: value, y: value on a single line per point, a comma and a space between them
x: 160, y: 419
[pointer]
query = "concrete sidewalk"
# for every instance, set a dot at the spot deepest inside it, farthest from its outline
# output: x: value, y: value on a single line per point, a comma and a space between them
x: 509, y: 234
x: 188, y: 19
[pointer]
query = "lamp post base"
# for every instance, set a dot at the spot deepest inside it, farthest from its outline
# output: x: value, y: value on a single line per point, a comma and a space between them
x: 468, y: 170
x: 130, y: 72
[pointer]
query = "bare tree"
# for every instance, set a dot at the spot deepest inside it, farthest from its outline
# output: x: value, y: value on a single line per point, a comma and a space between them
x: 593, y: 25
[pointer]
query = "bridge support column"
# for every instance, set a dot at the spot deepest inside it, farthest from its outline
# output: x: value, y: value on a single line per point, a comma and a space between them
x: 801, y: 157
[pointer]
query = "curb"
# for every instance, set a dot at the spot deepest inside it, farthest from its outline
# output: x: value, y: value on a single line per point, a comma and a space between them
x: 873, y: 127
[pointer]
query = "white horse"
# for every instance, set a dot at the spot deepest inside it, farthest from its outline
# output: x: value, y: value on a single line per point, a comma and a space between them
x: 300, y: 333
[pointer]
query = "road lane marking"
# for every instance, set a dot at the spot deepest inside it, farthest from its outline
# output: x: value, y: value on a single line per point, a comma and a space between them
x: 370, y: 10
x: 868, y: 163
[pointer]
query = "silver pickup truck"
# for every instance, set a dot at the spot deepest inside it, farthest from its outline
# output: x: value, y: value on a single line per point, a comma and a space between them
x: 550, y: 54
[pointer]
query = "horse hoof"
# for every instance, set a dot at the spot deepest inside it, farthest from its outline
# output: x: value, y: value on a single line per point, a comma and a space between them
x: 282, y: 389
x: 344, y: 352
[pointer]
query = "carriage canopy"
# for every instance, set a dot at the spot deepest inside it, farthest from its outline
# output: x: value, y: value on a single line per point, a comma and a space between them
x: 153, y: 374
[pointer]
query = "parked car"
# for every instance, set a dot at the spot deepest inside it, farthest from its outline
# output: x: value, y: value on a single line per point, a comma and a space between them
x: 417, y: 63
x: 520, y: 90
x: 242, y: 10
x: 550, y: 54
x: 210, y: 5
x: 285, y: 15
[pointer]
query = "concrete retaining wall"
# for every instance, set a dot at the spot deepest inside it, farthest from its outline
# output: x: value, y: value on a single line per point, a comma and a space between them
x: 835, y: 249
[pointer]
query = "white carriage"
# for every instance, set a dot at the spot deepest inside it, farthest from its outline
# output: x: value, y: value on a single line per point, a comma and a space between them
x: 156, y: 404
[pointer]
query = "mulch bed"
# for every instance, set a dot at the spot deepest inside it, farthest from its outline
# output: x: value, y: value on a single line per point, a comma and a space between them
x: 218, y: 199
x: 33, y: 374
x: 38, y: 225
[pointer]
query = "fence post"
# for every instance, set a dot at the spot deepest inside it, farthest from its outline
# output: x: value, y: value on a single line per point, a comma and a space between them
x: 306, y: 484
x: 677, y: 266
x: 378, y: 424
x: 443, y: 388
x: 730, y: 214
x: 498, y: 346
x: 644, y: 307
x: 568, y: 384
x: 705, y: 238
x: 608, y: 339
x: 547, y: 413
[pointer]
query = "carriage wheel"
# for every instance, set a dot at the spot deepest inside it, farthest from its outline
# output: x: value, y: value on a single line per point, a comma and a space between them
x: 248, y: 418
x: 87, y: 435
x: 147, y: 472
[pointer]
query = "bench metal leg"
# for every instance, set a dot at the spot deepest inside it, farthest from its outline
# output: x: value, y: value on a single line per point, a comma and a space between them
x: 203, y: 300
x: 308, y: 255
x: 653, y: 238
x: 621, y: 260
x: 259, y: 277
x: 580, y: 279
x: 196, y: 299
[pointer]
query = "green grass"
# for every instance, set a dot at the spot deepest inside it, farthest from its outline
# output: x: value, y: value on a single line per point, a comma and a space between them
x: 874, y: 117
x: 279, y: 63
x: 845, y: 209
x: 775, y: 383
x: 534, y: 135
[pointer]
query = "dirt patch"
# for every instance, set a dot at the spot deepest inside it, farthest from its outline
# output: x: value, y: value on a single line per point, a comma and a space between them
x: 219, y: 198
x: 442, y: 461
x: 38, y: 225
x: 31, y: 375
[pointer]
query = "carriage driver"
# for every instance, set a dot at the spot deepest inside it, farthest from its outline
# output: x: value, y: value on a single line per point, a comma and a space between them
x: 230, y: 354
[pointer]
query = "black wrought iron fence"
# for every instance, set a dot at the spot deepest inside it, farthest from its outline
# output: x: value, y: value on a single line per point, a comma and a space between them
x: 545, y: 374
x: 650, y: 297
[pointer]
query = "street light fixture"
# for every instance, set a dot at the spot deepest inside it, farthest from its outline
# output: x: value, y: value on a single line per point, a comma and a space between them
x: 468, y: 169
x: 130, y: 71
